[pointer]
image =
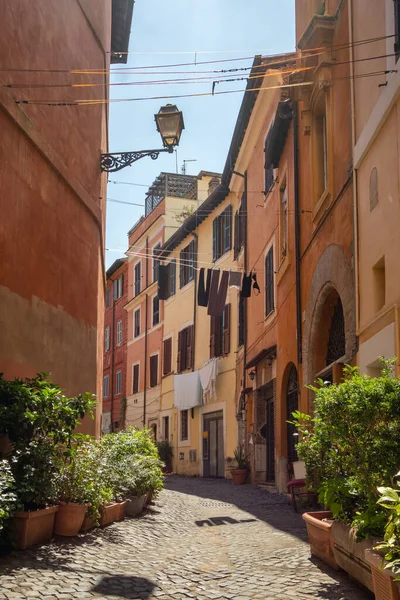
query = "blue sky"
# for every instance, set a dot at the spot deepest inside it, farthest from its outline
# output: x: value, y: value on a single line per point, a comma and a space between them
x: 166, y: 33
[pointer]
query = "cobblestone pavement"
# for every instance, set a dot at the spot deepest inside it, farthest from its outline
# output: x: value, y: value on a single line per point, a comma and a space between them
x: 203, y: 539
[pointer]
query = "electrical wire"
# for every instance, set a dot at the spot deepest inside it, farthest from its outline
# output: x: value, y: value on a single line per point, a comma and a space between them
x: 129, y: 183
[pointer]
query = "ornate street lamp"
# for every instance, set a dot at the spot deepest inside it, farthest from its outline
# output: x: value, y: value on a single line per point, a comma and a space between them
x: 169, y: 121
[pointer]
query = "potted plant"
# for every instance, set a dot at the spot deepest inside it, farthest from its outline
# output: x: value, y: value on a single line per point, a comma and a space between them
x: 7, y: 497
x: 81, y: 486
x: 239, y: 475
x: 35, y: 418
x: 349, y: 452
x: 165, y: 452
x: 385, y: 558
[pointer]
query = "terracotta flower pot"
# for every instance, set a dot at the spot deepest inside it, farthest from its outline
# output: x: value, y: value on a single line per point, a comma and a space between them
x: 88, y: 524
x: 350, y: 554
x: 33, y: 527
x: 135, y: 505
x: 320, y: 536
x: 239, y: 476
x: 121, y: 510
x: 109, y: 514
x: 385, y: 588
x: 69, y: 519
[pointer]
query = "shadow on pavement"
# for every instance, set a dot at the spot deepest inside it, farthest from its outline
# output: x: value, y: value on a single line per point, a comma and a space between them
x: 125, y: 586
x: 270, y: 507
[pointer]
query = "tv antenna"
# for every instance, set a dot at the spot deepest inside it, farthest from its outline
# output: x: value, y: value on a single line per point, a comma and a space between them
x: 188, y: 160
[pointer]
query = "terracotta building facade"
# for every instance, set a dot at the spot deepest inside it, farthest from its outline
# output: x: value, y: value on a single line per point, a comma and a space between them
x: 52, y: 278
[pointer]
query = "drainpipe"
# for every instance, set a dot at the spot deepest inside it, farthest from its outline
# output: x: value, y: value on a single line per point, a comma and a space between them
x: 146, y: 318
x: 112, y: 334
x: 196, y: 247
x: 297, y: 230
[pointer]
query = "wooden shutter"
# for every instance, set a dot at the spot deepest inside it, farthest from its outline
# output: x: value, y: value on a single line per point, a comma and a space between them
x: 269, y: 282
x: 179, y: 361
x: 122, y: 284
x: 182, y: 258
x: 227, y: 229
x: 167, y: 364
x: 190, y: 352
x: 115, y: 290
x: 172, y: 277
x: 153, y: 370
x: 236, y: 243
x: 212, y: 337
x: 135, y: 383
x: 226, y: 346
x: 215, y: 238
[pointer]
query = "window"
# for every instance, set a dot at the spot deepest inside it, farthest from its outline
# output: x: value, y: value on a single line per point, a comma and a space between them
x: 268, y: 167
x: 185, y: 349
x: 373, y: 189
x: 171, y: 267
x: 320, y: 145
x: 240, y: 224
x: 167, y: 362
x: 165, y: 422
x: 118, y: 287
x: 156, y: 262
x: 184, y: 425
x: 269, y: 282
x: 153, y: 370
x: 119, y: 333
x: 136, y: 324
x: 220, y: 333
x: 283, y: 220
x: 241, y: 321
x: 107, y: 332
x: 108, y: 298
x: 397, y: 28
x: 137, y: 278
x: 222, y: 233
x: 106, y: 391
x: 118, y: 382
x: 156, y: 310
x: 186, y: 259
x: 379, y: 284
x: 135, y: 379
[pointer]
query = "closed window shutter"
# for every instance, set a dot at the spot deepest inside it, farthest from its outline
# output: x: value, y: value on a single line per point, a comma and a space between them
x: 269, y: 282
x: 167, y: 367
x: 179, y: 352
x: 189, y: 355
x: 212, y: 337
x: 135, y: 385
x: 172, y: 275
x: 115, y: 290
x: 153, y: 371
x: 122, y: 285
x: 227, y: 228
x: 215, y: 238
x: 236, y: 245
x: 227, y: 330
x: 182, y: 268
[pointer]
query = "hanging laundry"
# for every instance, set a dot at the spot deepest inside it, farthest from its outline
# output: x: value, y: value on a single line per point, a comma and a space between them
x: 187, y: 390
x: 208, y: 379
x: 246, y: 286
x: 217, y: 300
x: 235, y: 279
x: 204, y: 290
x: 255, y: 284
x: 162, y: 282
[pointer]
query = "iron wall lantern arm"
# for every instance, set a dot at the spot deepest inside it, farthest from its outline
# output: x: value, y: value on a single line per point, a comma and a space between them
x: 116, y: 161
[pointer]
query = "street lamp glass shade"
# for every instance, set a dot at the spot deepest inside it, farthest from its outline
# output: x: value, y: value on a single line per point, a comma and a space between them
x: 170, y: 124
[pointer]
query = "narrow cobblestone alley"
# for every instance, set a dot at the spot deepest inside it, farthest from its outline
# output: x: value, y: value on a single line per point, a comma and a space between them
x: 203, y: 539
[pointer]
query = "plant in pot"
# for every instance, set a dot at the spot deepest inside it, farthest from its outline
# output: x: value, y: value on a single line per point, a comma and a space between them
x: 349, y: 452
x: 239, y: 475
x: 165, y: 452
x: 81, y: 486
x: 155, y: 481
x: 7, y: 501
x: 35, y: 417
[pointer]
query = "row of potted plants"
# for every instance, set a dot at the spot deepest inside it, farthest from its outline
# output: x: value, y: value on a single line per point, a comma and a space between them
x: 54, y: 480
x: 351, y: 451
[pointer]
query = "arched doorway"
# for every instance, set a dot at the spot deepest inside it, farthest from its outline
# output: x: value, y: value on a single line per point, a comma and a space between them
x: 292, y: 404
x: 330, y: 345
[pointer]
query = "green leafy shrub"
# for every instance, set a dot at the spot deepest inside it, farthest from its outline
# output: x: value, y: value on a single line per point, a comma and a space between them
x: 165, y: 452
x: 241, y: 458
x: 350, y: 446
x: 7, y: 496
x: 390, y: 501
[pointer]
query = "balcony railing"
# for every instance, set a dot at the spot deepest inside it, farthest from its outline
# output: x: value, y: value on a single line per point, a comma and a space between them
x: 170, y: 184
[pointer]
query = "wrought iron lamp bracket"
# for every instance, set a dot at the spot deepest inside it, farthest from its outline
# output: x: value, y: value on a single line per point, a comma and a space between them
x: 119, y: 160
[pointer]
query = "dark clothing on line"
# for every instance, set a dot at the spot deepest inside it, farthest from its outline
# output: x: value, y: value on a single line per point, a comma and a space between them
x: 235, y: 279
x: 255, y: 284
x: 216, y: 303
x: 246, y: 286
x: 203, y: 293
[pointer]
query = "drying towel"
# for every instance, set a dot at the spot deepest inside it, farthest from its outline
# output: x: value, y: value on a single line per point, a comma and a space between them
x: 162, y: 282
x: 208, y: 379
x: 217, y: 301
x: 235, y: 279
x: 187, y: 390
x: 204, y: 290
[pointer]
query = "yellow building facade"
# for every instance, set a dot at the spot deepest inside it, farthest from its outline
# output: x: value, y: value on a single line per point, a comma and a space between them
x: 203, y: 437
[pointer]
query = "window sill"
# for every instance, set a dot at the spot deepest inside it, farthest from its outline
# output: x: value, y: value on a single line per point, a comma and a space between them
x: 321, y: 207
